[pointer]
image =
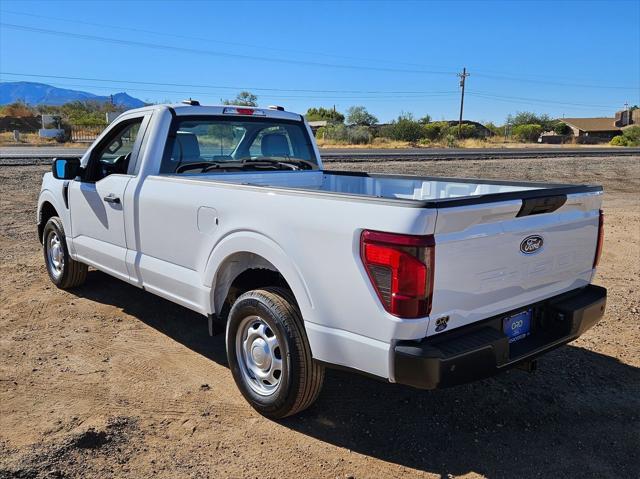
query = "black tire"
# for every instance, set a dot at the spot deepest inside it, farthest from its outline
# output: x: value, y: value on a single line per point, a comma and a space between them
x: 301, y: 376
x: 70, y: 274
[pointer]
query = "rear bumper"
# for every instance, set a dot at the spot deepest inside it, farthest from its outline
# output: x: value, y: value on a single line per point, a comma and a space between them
x: 481, y: 349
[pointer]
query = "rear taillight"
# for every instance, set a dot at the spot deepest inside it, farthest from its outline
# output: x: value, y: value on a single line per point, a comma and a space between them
x: 400, y: 268
x: 596, y: 259
x: 236, y: 110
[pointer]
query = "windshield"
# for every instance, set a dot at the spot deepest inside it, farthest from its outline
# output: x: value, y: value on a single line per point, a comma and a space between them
x: 221, y: 144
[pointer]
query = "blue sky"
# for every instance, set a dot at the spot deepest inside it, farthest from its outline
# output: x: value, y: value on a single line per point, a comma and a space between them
x: 561, y: 58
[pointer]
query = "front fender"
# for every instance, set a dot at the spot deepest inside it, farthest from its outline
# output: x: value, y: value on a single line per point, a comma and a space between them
x: 261, y: 245
x: 49, y: 196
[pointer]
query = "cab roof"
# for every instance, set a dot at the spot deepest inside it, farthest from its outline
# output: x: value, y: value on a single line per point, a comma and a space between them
x: 181, y: 109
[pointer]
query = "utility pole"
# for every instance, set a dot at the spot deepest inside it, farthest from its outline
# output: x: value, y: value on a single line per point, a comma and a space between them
x: 463, y: 76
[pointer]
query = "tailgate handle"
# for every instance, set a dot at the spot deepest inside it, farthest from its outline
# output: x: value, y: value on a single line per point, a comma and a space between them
x: 545, y: 204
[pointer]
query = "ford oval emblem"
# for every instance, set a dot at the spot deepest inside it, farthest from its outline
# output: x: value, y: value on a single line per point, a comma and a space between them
x: 531, y: 244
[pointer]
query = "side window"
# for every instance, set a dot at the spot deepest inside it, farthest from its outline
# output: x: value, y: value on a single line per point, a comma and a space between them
x: 114, y: 154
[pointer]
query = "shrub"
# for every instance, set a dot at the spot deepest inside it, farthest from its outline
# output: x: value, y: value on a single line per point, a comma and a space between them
x: 451, y: 141
x: 319, y: 114
x: 405, y: 128
x: 436, y: 130
x: 632, y: 136
x: 618, y: 140
x: 495, y: 129
x: 337, y: 132
x: 17, y: 109
x: 529, y: 132
x: 629, y: 137
x: 384, y: 131
x: 465, y: 131
x: 359, y: 135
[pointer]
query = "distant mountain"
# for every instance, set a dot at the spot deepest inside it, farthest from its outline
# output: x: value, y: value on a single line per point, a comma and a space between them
x: 41, y: 94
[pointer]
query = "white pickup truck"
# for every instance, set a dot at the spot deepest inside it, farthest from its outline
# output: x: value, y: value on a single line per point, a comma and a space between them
x: 428, y: 282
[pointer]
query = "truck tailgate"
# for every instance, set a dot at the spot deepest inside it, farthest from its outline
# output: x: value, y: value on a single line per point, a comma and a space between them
x: 489, y: 261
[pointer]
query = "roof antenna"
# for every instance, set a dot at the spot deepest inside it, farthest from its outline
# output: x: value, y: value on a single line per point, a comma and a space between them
x: 191, y: 102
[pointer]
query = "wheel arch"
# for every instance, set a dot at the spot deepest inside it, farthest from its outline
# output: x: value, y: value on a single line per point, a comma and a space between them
x: 47, y: 208
x: 247, y: 251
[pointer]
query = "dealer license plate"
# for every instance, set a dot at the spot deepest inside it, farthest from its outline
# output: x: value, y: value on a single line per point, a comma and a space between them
x: 518, y: 326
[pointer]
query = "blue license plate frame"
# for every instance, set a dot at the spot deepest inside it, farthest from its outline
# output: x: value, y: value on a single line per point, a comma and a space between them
x: 518, y: 326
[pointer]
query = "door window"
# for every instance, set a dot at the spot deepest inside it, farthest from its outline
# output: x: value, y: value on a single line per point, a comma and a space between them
x: 113, y: 155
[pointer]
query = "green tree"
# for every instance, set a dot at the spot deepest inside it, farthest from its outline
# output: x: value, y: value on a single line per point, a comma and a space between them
x: 244, y: 98
x: 529, y: 132
x: 561, y: 128
x: 425, y: 119
x: 529, y: 118
x: 328, y: 114
x: 358, y: 115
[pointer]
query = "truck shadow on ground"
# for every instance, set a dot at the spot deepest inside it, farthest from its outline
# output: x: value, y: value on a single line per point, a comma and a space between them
x: 578, y: 414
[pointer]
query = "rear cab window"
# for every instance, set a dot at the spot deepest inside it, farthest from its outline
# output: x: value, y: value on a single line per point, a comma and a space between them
x: 219, y: 144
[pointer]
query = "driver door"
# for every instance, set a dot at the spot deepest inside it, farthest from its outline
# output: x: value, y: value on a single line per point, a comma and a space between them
x: 97, y: 201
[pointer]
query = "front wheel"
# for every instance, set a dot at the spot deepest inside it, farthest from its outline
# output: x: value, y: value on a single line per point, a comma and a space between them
x: 64, y: 272
x: 269, y: 354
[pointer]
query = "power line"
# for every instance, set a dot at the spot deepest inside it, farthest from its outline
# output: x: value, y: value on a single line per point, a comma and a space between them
x: 286, y: 97
x: 389, y: 94
x: 158, y: 46
x: 421, y: 68
x: 534, y: 100
x: 554, y: 83
x: 220, y: 87
x: 534, y: 103
x: 210, y: 40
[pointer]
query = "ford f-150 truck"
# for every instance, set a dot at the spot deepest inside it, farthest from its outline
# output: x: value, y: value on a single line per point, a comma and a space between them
x: 427, y: 282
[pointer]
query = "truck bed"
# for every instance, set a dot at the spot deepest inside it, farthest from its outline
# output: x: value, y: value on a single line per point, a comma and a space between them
x: 478, y: 226
x: 425, y: 192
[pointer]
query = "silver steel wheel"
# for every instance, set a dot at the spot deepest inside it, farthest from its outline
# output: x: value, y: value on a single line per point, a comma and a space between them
x: 55, y: 254
x: 259, y: 355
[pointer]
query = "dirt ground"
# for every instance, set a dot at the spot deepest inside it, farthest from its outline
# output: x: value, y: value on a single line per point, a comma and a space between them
x: 110, y: 381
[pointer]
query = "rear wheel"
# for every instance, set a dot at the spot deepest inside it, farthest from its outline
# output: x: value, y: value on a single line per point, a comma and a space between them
x: 64, y: 272
x: 269, y: 353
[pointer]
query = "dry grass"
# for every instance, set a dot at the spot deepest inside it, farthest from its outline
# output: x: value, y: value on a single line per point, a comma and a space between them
x: 376, y: 143
x: 7, y: 139
x: 32, y: 139
x: 494, y: 142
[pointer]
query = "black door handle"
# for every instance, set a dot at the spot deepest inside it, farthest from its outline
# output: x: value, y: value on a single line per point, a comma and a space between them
x: 112, y: 199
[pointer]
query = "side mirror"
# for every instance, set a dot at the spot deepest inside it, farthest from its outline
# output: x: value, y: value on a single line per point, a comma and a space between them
x: 66, y: 168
